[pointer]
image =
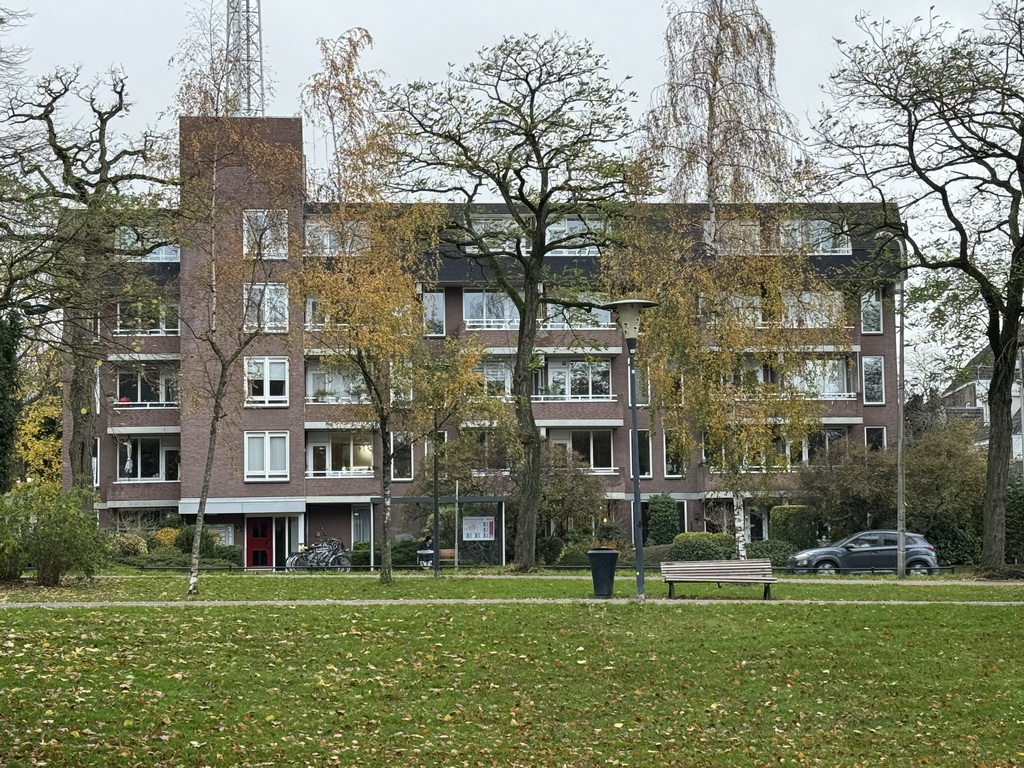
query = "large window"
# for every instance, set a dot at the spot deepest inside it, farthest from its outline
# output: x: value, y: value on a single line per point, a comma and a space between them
x: 266, y: 307
x: 148, y: 459
x: 813, y: 309
x: 330, y: 238
x: 736, y: 236
x: 815, y: 236
x: 144, y: 244
x: 265, y: 234
x: 675, y: 456
x: 433, y: 313
x: 825, y: 379
x: 871, y: 312
x: 873, y: 369
x: 577, y: 380
x: 149, y: 386
x: 325, y: 385
x: 339, y: 454
x: 594, y: 447
x: 497, y: 376
x: 823, y: 446
x: 401, y: 457
x: 266, y: 455
x: 575, y: 237
x: 266, y: 381
x: 874, y: 438
x: 490, y: 454
x: 644, y: 442
x: 489, y: 309
x: 147, y: 318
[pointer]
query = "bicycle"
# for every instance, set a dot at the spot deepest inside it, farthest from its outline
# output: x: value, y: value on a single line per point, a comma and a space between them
x: 326, y: 555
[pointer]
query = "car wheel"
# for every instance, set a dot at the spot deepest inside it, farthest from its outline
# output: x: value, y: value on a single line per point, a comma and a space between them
x: 917, y: 568
x: 827, y: 568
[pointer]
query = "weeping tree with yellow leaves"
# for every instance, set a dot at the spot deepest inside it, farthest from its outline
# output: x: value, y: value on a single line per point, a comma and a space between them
x: 740, y: 302
x: 367, y: 273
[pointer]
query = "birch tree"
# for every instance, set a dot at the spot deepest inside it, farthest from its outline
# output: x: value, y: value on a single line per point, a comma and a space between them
x: 727, y: 345
x: 536, y: 125
x: 930, y: 120
x: 370, y: 324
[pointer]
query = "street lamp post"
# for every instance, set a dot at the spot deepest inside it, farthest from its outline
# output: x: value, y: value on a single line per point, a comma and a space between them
x: 627, y: 315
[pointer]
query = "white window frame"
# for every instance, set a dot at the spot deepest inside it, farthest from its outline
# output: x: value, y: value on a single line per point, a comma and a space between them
x: 164, y: 445
x: 872, y: 298
x: 434, y: 313
x: 816, y: 379
x: 270, y: 296
x: 813, y: 309
x: 265, y: 233
x: 571, y: 228
x: 643, y: 435
x: 412, y: 458
x: 497, y: 376
x: 326, y: 441
x: 508, y: 320
x: 881, y: 378
x: 266, y: 473
x: 334, y: 386
x: 161, y: 327
x: 167, y: 388
x: 885, y: 437
x: 589, y: 458
x: 818, y: 236
x: 733, y: 235
x: 261, y: 368
x: 665, y: 440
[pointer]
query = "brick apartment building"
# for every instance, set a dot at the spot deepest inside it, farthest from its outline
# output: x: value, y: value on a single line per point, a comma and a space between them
x: 292, y: 465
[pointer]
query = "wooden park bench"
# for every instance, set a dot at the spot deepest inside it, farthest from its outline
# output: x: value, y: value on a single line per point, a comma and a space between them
x: 719, y: 572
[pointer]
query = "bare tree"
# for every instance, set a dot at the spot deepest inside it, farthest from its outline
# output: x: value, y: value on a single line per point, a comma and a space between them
x: 930, y: 121
x: 536, y: 125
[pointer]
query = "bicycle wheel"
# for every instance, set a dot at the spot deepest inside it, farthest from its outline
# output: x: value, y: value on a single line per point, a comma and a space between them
x: 341, y: 562
x: 295, y: 561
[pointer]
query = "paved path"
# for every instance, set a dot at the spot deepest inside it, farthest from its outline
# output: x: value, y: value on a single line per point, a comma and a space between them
x: 477, y: 601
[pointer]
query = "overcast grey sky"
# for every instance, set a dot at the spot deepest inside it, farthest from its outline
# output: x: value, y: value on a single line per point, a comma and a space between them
x: 419, y: 38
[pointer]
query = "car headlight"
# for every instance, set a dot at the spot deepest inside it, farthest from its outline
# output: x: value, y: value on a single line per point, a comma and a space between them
x: 802, y: 561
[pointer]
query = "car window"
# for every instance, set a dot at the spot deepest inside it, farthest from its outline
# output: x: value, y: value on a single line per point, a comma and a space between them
x: 891, y: 541
x: 862, y: 542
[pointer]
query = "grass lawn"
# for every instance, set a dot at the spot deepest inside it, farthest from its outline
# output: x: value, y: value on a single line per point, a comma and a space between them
x: 218, y: 586
x: 582, y: 684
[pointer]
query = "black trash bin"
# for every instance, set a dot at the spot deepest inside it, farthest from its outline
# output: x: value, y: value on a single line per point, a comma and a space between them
x: 602, y: 569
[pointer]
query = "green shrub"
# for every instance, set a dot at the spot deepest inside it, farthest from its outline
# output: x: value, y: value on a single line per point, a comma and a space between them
x: 953, y: 544
x: 14, y: 519
x: 654, y: 556
x: 164, y: 537
x: 360, y: 556
x: 724, y: 541
x: 63, y: 537
x: 662, y: 519
x: 124, y: 545
x: 575, y: 555
x: 230, y: 553
x: 172, y: 557
x: 207, y: 544
x: 694, y: 549
x: 403, y: 553
x: 796, y: 523
x: 776, y: 550
x: 549, y: 548
x: 609, y: 532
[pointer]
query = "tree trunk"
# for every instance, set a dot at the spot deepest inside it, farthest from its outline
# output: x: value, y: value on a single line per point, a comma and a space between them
x: 80, y: 395
x: 387, y: 573
x: 1000, y: 453
x: 204, y: 493
x: 529, y: 480
x: 740, y: 523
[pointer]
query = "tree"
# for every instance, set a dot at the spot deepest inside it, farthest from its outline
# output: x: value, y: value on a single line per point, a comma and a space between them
x: 930, y: 119
x: 371, y: 321
x: 536, y: 125
x: 85, y: 181
x: 236, y: 175
x: 740, y: 299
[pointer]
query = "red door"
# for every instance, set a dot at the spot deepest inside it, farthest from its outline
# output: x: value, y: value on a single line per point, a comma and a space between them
x: 258, y: 543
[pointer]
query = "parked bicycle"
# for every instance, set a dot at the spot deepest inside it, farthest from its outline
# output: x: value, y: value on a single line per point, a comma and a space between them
x: 326, y: 555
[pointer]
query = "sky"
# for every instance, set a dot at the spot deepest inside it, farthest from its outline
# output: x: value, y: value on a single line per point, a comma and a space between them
x: 418, y: 39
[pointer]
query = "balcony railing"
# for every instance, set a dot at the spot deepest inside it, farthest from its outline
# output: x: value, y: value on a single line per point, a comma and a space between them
x: 339, y: 473
x: 122, y: 403
x: 609, y: 398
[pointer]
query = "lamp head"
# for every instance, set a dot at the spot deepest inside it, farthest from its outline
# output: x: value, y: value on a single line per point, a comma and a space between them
x: 627, y: 315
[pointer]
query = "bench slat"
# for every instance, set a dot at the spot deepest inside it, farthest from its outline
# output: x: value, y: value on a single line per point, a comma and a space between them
x: 718, y: 572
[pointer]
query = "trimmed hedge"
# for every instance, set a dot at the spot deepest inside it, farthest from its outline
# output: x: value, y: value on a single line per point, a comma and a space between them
x: 795, y: 523
x: 776, y: 550
x: 694, y: 549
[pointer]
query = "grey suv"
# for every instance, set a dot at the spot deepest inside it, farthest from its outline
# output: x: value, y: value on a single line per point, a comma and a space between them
x: 867, y: 551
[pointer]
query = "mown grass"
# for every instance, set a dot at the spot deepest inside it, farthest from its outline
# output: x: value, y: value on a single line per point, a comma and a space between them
x: 581, y: 684
x: 213, y: 586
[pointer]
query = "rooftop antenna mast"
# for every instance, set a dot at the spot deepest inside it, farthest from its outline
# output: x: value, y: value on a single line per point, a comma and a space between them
x: 245, y: 58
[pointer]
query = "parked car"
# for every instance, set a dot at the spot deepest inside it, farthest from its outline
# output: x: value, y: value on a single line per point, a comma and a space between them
x: 867, y: 551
